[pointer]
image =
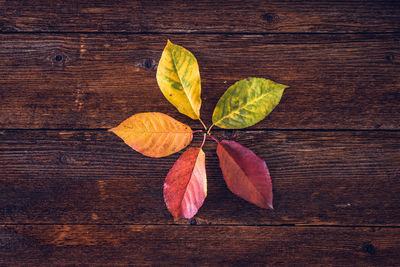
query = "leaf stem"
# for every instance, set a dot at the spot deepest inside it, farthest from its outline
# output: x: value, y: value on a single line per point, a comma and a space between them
x: 204, y: 140
x: 197, y: 131
x: 213, y: 138
x: 208, y: 132
x: 202, y: 123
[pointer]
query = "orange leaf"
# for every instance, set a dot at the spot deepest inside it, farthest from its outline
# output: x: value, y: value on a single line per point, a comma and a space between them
x: 245, y: 173
x: 154, y: 134
x: 185, y: 187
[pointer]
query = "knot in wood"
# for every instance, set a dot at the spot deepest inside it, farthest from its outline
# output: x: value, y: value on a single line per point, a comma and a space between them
x: 369, y: 248
x: 149, y: 64
x: 58, y: 58
x: 270, y: 18
x: 390, y: 57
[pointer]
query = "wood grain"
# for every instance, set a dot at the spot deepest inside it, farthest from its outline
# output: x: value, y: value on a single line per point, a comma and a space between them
x: 73, y: 194
x: 112, y: 245
x: 319, y: 178
x: 81, y: 81
x: 199, y: 16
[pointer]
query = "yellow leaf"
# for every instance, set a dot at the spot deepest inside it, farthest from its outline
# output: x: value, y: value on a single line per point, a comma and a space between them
x: 154, y: 134
x: 178, y: 77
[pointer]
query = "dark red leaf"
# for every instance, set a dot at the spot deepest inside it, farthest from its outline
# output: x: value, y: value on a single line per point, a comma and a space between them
x: 245, y: 173
x: 185, y: 187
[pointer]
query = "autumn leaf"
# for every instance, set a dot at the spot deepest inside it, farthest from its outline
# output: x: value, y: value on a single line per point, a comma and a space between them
x: 185, y: 187
x: 245, y: 174
x: 178, y: 77
x: 247, y: 102
x: 154, y: 134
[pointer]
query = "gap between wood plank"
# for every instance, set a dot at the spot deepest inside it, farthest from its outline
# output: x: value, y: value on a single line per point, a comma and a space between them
x: 200, y: 33
x: 207, y: 225
x: 214, y: 130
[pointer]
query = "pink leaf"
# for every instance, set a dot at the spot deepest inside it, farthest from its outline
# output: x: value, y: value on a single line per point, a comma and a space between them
x: 245, y: 173
x: 185, y: 187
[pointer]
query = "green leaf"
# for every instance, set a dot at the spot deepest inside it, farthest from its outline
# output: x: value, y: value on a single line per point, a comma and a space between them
x: 247, y: 102
x: 178, y: 77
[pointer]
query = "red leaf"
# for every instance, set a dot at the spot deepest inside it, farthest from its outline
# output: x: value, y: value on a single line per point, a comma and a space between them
x: 185, y: 187
x: 245, y: 173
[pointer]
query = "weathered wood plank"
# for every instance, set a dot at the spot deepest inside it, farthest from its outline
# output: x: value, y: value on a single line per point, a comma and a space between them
x: 199, y: 16
x: 203, y: 245
x: 319, y: 178
x: 96, y: 81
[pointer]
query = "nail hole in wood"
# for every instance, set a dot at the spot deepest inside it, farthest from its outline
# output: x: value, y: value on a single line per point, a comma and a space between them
x: 369, y: 248
x: 148, y: 64
x: 58, y: 58
x: 390, y: 58
x: 270, y: 18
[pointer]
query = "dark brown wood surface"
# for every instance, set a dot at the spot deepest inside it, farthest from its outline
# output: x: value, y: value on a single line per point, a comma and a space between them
x: 80, y: 81
x: 339, y: 178
x: 40, y: 245
x: 72, y: 193
x: 200, y: 16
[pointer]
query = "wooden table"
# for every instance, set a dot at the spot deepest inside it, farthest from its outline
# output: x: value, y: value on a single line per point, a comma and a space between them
x: 72, y: 193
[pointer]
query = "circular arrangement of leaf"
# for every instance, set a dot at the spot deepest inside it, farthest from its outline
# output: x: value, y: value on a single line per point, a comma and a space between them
x: 155, y: 134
